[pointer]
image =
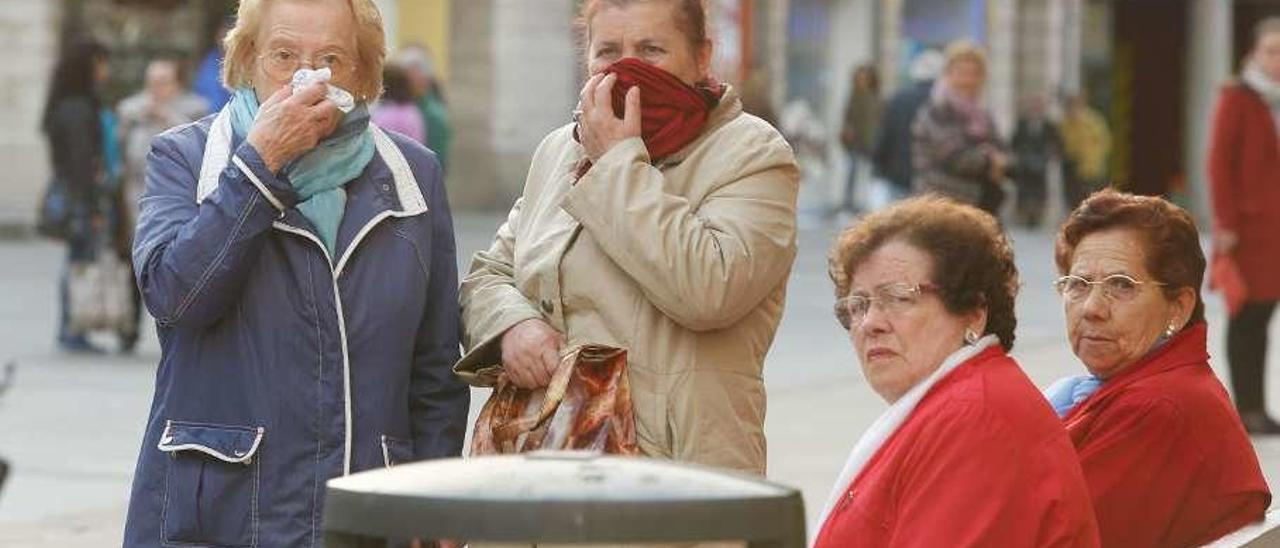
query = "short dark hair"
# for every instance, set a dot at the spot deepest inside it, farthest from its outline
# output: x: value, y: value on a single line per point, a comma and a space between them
x: 396, y: 85
x: 73, y: 77
x: 977, y: 255
x: 1170, y: 239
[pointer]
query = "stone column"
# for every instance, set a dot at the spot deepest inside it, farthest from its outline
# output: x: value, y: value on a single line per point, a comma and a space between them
x: 514, y: 79
x: 472, y: 172
x: 1209, y: 65
x: 31, y: 32
x: 1002, y: 58
x: 890, y: 21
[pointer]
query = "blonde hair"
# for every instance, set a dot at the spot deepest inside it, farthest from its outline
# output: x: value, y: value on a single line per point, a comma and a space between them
x: 964, y: 50
x: 371, y: 46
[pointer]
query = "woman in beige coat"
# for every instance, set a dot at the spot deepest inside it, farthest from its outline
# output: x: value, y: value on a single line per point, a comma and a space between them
x: 671, y: 235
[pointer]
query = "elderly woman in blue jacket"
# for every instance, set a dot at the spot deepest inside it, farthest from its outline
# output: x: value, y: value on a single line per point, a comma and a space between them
x: 299, y: 262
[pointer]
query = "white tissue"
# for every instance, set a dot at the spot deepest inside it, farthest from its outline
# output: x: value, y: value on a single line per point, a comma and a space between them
x: 340, y: 97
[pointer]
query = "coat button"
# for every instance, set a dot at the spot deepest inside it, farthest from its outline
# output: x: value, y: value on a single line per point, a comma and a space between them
x: 548, y: 306
x: 386, y: 187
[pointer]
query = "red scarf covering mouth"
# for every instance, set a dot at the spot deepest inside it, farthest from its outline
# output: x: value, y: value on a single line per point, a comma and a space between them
x: 672, y: 113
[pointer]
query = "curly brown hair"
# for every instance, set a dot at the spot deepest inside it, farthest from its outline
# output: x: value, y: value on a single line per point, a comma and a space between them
x: 1169, y: 234
x: 980, y: 271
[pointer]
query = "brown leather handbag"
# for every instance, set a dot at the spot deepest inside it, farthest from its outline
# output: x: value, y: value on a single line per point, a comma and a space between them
x: 586, y: 407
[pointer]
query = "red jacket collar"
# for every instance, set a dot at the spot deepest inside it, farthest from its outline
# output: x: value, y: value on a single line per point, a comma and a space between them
x: 1186, y: 348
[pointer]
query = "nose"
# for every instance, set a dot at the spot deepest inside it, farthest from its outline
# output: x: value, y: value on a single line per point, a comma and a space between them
x: 875, y: 321
x: 1095, y: 304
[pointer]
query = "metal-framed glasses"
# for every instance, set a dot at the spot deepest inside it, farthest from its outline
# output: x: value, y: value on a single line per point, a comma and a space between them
x: 1116, y: 287
x: 893, y: 299
x: 284, y: 62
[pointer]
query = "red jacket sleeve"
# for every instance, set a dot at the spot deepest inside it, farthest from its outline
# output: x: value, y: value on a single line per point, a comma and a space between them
x: 1140, y: 471
x: 1224, y: 148
x: 965, y: 484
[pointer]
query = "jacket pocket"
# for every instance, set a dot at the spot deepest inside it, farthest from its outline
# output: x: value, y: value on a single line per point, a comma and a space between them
x: 396, y: 450
x: 211, y: 484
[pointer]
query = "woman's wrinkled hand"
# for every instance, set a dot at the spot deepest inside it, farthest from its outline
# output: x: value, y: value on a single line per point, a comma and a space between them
x: 599, y: 127
x: 290, y: 124
x: 531, y: 353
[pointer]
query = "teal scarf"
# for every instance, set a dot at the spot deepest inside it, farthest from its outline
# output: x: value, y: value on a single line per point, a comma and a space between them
x: 319, y: 175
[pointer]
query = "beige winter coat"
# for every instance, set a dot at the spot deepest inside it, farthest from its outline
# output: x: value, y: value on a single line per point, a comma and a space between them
x: 684, y: 264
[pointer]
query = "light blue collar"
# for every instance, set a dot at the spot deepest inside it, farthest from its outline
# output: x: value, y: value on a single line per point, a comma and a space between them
x: 318, y: 176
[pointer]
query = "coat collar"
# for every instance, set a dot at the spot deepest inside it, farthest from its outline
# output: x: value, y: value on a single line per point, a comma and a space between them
x: 1187, y: 348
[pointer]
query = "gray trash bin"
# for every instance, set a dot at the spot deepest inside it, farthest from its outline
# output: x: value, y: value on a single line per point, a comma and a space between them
x: 561, y: 498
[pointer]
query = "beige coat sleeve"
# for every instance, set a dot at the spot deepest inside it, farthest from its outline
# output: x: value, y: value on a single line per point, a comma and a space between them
x: 705, y: 265
x: 491, y: 303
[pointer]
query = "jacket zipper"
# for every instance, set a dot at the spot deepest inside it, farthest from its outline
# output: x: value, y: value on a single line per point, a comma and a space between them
x: 342, y: 337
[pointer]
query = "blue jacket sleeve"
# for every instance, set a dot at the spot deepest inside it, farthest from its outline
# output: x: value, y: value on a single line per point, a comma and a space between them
x: 191, y: 260
x: 439, y: 401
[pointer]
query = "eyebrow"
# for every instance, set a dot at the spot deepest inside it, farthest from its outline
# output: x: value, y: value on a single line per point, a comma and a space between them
x: 640, y: 42
x: 1088, y: 275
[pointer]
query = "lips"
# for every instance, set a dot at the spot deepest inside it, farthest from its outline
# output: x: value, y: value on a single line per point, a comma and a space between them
x: 878, y: 353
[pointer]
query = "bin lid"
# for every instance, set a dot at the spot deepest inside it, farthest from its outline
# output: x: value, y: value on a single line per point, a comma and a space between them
x: 562, y: 497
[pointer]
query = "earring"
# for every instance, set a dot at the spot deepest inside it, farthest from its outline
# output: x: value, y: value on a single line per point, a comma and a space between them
x: 970, y: 338
x: 1169, y: 331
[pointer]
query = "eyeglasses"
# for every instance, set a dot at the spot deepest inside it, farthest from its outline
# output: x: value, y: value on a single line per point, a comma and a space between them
x: 1116, y: 287
x: 284, y: 62
x: 893, y: 299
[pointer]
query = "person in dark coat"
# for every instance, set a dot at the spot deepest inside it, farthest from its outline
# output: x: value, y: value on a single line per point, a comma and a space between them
x: 1035, y: 141
x: 892, y: 151
x: 300, y: 264
x: 73, y: 128
x: 1244, y: 177
x: 858, y: 132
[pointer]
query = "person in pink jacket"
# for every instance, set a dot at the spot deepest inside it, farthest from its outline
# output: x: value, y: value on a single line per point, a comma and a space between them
x: 396, y: 111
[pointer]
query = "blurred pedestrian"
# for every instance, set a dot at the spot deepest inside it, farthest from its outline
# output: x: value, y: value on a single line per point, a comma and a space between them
x: 300, y: 265
x: 73, y: 126
x: 1166, y: 458
x: 416, y: 61
x: 968, y: 453
x: 1244, y: 176
x: 861, y: 124
x: 208, y: 80
x: 957, y: 152
x: 1086, y: 144
x: 892, y: 154
x: 1035, y: 142
x: 397, y: 110
x: 163, y: 103
x: 667, y: 229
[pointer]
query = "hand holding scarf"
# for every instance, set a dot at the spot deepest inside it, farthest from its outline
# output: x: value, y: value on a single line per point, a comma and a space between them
x: 672, y: 113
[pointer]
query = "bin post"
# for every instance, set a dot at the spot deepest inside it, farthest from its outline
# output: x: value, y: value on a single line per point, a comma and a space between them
x: 562, y: 498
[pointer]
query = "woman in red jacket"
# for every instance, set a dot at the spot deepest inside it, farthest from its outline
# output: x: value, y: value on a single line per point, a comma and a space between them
x: 1166, y: 458
x: 1244, y: 174
x: 968, y: 453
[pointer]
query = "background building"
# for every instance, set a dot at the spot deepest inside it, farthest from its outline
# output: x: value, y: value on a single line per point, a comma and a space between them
x: 512, y: 69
